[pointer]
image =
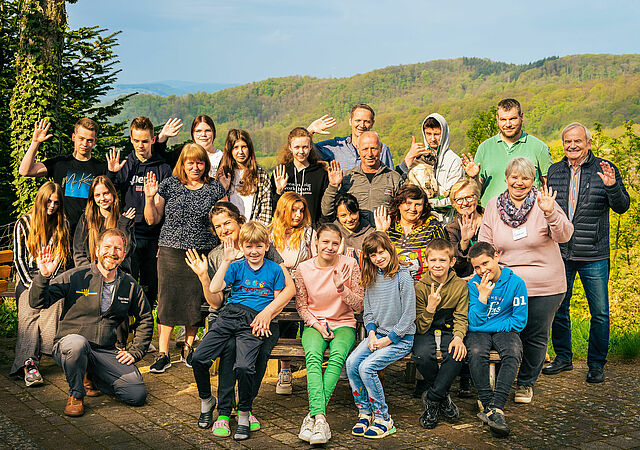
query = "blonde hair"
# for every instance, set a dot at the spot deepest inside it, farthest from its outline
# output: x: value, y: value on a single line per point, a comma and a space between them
x: 192, y: 152
x: 282, y: 221
x: 46, y: 229
x: 460, y: 185
x: 368, y: 270
x: 253, y: 232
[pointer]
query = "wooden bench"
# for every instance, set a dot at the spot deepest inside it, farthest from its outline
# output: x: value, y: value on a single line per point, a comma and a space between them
x: 6, y: 259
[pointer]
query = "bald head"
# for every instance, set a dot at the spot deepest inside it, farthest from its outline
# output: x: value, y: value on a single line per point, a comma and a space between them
x: 369, y: 149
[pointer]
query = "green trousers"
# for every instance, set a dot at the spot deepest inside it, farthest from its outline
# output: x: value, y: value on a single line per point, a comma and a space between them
x: 320, y: 386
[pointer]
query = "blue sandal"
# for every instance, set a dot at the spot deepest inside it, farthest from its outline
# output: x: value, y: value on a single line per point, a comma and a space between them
x: 364, y: 422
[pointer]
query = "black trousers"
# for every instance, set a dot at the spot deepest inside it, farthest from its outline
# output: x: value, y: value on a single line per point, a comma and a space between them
x: 440, y: 379
x: 227, y: 376
x: 233, y: 323
x: 509, y: 347
x: 144, y: 267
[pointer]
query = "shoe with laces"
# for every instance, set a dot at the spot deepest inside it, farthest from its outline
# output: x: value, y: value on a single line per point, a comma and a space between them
x: 497, y: 423
x: 32, y: 375
x: 161, y: 364
x: 429, y: 418
x: 75, y: 407
x: 306, y: 430
x: 380, y: 428
x: 284, y: 386
x: 189, y: 358
x: 321, y: 433
x: 524, y: 394
x: 448, y: 410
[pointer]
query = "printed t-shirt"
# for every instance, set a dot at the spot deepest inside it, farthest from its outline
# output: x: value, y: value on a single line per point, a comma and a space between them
x: 253, y: 288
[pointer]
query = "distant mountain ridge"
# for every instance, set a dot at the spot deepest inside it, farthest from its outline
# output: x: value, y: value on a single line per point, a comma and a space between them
x: 553, y: 91
x: 166, y: 88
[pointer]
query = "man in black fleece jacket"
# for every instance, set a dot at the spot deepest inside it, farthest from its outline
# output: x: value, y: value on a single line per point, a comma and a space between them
x: 96, y: 300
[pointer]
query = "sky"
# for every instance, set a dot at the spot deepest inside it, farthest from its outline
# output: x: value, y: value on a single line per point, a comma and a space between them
x: 243, y: 41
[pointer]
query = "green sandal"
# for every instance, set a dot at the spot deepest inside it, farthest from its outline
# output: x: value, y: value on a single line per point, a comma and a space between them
x: 221, y: 427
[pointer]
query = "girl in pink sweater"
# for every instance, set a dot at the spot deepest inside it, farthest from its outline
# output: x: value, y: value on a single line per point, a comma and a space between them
x: 328, y: 291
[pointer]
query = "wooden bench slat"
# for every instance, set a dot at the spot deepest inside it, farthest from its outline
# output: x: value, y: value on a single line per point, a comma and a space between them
x: 5, y: 271
x: 4, y: 284
x: 6, y: 256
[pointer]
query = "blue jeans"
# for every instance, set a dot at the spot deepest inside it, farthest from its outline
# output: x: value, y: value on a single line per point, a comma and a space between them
x: 362, y: 368
x: 595, y: 278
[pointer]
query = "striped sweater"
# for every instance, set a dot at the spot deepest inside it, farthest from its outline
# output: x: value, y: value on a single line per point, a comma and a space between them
x: 24, y: 263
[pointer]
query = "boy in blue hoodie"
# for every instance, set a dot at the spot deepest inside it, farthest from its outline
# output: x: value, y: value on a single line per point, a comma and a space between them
x: 497, y: 313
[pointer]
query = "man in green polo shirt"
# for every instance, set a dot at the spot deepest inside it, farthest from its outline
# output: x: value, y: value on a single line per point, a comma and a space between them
x: 494, y: 154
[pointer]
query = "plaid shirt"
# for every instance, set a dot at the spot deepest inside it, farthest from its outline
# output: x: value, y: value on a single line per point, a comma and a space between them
x: 411, y: 247
x: 262, y: 205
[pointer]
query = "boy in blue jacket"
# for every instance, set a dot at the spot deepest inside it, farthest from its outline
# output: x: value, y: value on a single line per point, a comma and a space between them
x: 497, y: 313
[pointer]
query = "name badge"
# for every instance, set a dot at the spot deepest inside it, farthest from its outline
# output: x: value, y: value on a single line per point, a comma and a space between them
x: 519, y: 233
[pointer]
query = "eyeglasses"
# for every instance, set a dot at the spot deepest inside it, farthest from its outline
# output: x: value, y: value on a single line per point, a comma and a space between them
x: 463, y: 200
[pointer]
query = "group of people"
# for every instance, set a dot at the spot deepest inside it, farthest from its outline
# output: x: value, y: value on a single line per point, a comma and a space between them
x: 449, y: 254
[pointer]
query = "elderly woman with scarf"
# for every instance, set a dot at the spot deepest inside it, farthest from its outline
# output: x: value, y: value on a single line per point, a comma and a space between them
x: 525, y: 226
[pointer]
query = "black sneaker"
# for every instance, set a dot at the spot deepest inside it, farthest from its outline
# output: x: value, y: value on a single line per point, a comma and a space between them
x: 497, y: 423
x: 161, y: 364
x: 465, y: 388
x: 429, y: 418
x: 483, y: 415
x: 448, y: 410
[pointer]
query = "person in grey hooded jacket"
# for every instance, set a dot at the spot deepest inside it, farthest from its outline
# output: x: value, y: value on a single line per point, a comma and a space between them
x: 435, y: 152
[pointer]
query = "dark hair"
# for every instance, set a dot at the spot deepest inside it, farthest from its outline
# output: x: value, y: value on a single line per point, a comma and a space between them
x: 481, y: 248
x: 112, y: 232
x: 508, y: 104
x: 440, y: 245
x: 142, y: 123
x: 431, y: 122
x: 362, y: 106
x: 414, y: 193
x: 349, y: 202
x: 228, y: 165
x: 285, y: 156
x: 227, y: 208
x: 328, y: 227
x: 368, y: 270
x: 206, y: 119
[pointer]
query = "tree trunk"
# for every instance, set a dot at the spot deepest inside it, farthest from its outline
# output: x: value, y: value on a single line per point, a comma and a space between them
x: 36, y: 92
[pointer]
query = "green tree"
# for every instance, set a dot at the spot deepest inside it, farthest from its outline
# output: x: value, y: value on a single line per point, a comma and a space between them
x: 483, y: 127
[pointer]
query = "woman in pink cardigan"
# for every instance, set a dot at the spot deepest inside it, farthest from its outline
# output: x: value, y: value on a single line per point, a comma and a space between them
x: 525, y: 225
x: 328, y: 291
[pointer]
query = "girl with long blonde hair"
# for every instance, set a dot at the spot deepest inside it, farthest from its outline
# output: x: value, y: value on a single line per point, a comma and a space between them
x: 44, y: 225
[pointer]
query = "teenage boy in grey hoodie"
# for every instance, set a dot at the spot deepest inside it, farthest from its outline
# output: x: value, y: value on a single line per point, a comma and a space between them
x: 435, y: 151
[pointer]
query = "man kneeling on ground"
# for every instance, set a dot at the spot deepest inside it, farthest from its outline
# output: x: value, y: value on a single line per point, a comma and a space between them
x: 97, y: 298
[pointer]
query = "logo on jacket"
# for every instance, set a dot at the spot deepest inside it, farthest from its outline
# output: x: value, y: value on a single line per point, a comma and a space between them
x: 86, y: 292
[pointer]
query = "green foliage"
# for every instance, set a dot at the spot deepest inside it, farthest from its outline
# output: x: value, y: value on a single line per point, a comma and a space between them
x: 483, y: 127
x: 50, y: 71
x: 8, y: 318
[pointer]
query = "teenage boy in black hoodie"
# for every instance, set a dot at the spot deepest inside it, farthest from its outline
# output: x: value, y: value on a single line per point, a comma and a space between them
x: 128, y: 176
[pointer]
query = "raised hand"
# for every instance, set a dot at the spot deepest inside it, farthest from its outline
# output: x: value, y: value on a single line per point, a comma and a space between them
x: 335, y: 174
x: 416, y: 149
x: 280, y: 179
x: 150, y: 185
x: 467, y: 230
x: 41, y: 130
x: 170, y: 129
x: 484, y: 288
x: 46, y: 264
x: 229, y: 250
x: 113, y: 160
x: 382, y: 218
x: 197, y: 262
x: 225, y: 180
x: 340, y: 276
x: 130, y: 213
x: 471, y: 168
x: 547, y: 199
x: 608, y: 175
x: 321, y: 125
x: 434, y: 298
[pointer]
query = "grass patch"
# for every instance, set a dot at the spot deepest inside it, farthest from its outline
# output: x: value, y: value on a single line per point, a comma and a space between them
x: 8, y: 318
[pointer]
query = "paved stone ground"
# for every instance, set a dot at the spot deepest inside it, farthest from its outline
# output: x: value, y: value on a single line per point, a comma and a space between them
x: 566, y: 412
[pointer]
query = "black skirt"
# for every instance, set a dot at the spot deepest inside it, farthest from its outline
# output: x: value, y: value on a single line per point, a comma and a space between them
x: 180, y: 294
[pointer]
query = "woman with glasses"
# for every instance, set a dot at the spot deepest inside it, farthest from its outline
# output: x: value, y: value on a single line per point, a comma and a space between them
x: 463, y: 231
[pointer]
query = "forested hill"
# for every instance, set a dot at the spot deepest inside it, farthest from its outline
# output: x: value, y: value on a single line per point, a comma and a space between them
x: 553, y: 91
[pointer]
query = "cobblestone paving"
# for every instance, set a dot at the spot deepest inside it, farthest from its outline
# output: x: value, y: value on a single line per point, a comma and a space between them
x: 566, y: 412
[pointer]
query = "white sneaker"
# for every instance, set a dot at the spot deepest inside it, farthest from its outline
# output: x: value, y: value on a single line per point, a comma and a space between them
x: 306, y: 430
x: 284, y: 386
x: 524, y: 394
x: 321, y: 433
